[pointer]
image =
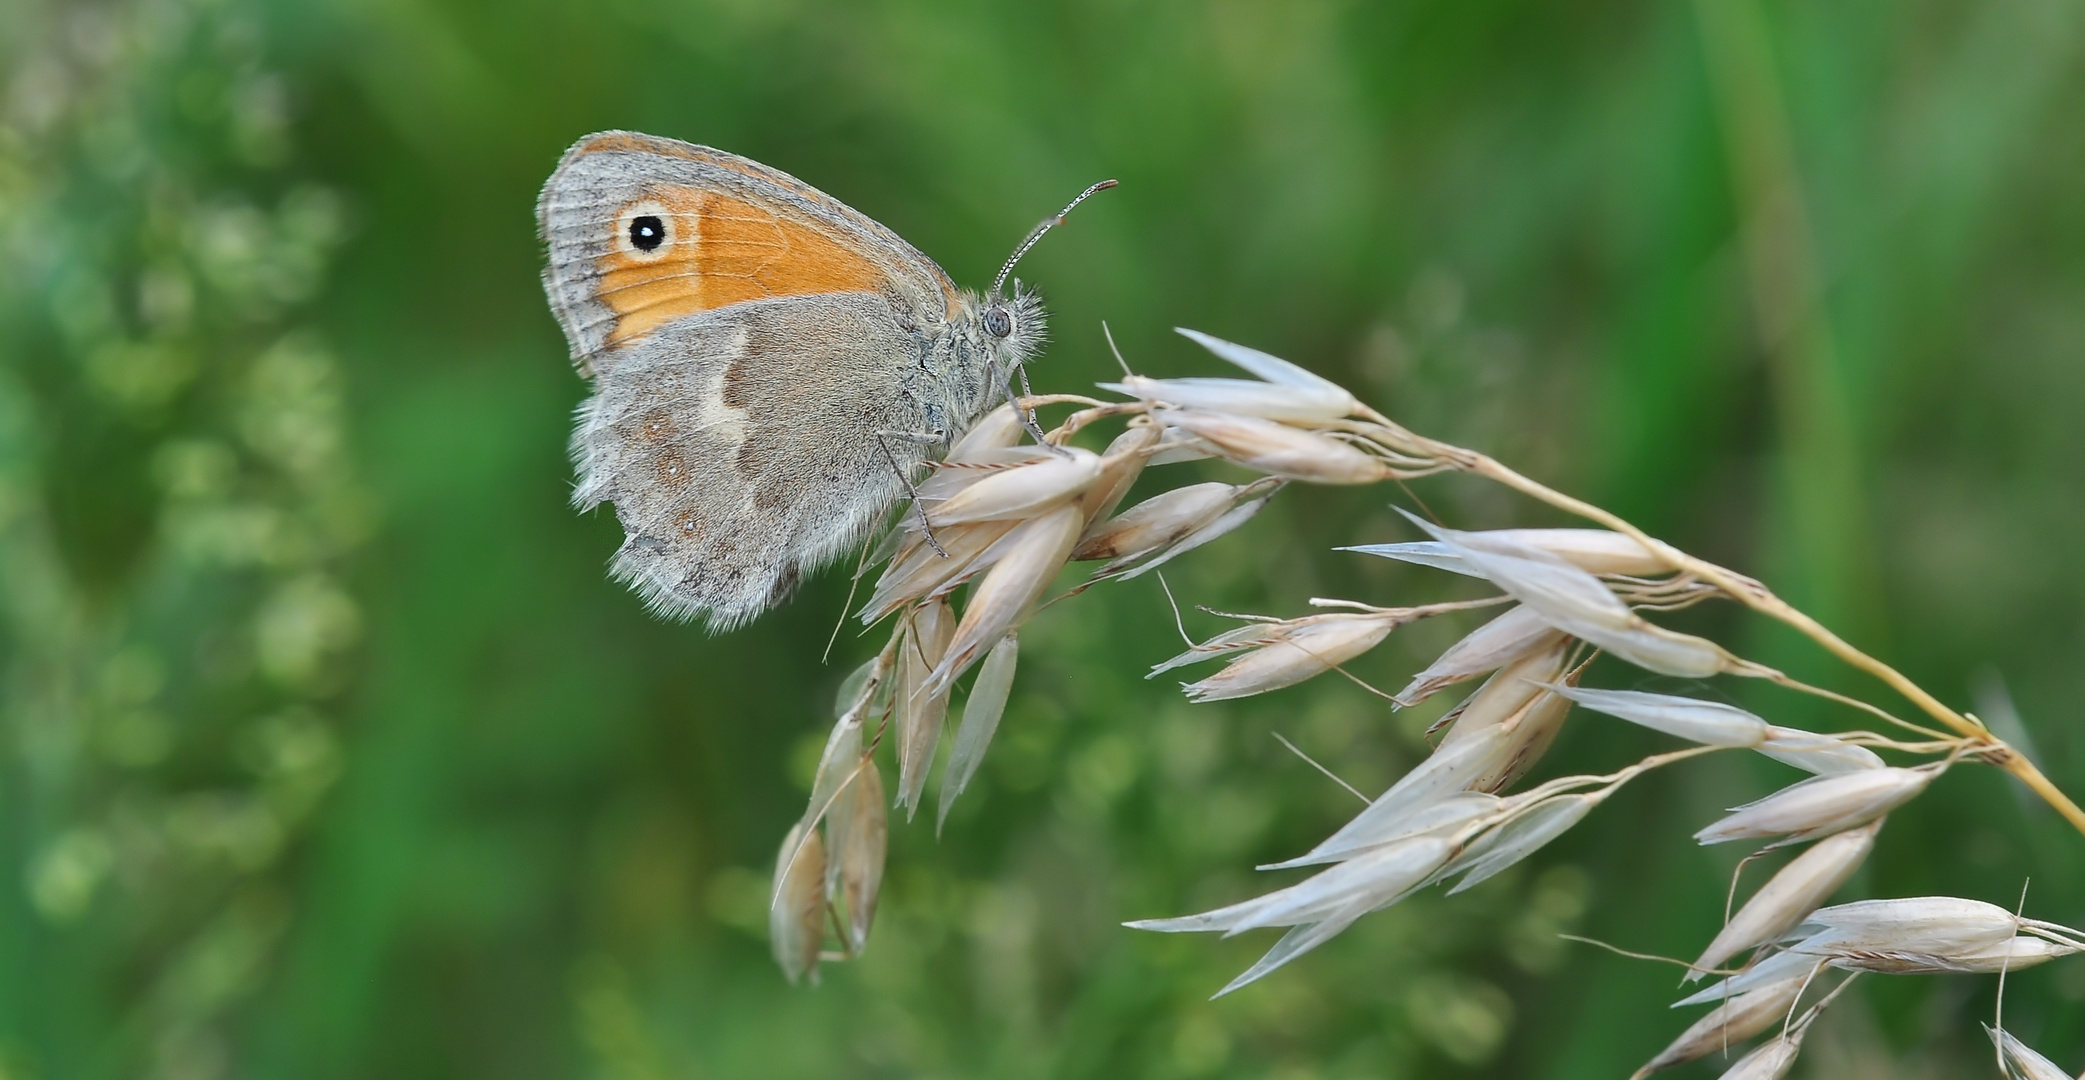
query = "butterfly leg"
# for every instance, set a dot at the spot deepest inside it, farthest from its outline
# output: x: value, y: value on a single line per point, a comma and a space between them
x: 1005, y: 379
x: 883, y: 438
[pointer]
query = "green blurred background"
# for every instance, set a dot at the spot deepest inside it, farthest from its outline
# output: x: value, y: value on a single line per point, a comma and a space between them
x: 329, y: 750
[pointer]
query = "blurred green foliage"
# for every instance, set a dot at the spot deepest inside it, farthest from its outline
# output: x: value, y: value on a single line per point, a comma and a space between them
x: 329, y: 751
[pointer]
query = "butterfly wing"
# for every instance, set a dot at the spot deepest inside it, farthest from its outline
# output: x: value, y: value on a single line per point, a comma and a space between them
x: 747, y: 337
x: 733, y: 230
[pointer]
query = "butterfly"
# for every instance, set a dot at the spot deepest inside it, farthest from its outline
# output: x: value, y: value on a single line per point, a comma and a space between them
x: 769, y: 366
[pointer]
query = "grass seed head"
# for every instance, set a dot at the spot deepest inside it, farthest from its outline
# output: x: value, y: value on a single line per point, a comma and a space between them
x: 1520, y: 836
x: 1579, y: 604
x: 1596, y: 551
x: 1708, y: 723
x: 2013, y: 954
x: 2020, y: 1061
x: 921, y: 571
x: 1277, y: 449
x: 1508, y: 693
x: 1239, y: 397
x: 1771, y: 1061
x: 1772, y: 971
x: 1156, y: 522
x: 981, y: 713
x: 1274, y: 370
x: 1815, y: 753
x: 1924, y: 935
x: 996, y: 430
x: 1290, y: 652
x: 857, y: 833
x: 1449, y: 771
x: 1534, y: 728
x: 1932, y: 925
x: 1452, y: 815
x: 952, y: 477
x: 920, y: 716
x: 1790, y: 895
x: 1514, y: 635
x: 796, y: 912
x: 1821, y: 805
x: 1246, y: 502
x: 1020, y: 492
x: 1035, y: 551
x: 1120, y: 466
x: 1377, y: 876
x: 1733, y: 1021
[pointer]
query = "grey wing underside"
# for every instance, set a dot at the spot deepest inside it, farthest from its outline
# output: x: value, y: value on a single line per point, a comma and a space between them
x: 739, y: 448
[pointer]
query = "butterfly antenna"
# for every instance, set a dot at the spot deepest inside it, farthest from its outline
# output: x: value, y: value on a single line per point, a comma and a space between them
x: 1045, y: 225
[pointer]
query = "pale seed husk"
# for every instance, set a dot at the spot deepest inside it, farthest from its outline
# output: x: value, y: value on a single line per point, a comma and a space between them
x: 1513, y: 635
x: 1022, y: 492
x: 1290, y: 652
x: 1791, y: 895
x: 981, y: 713
x: 1277, y: 371
x: 1163, y: 519
x: 1507, y: 693
x: 1519, y: 837
x: 1579, y: 604
x: 921, y: 716
x: 1378, y: 876
x: 1771, y: 1061
x: 1451, y: 769
x: 921, y: 571
x: 1449, y: 816
x: 1815, y: 753
x: 1921, y: 939
x: 1246, y: 502
x: 2021, y: 1061
x: 1821, y: 805
x: 1034, y: 552
x: 796, y: 914
x: 1535, y: 728
x: 951, y: 476
x: 1729, y: 1023
x: 1277, y: 449
x: 1709, y: 723
x: 1241, y: 397
x: 1596, y: 551
x: 857, y: 833
x: 1120, y: 466
x: 996, y: 430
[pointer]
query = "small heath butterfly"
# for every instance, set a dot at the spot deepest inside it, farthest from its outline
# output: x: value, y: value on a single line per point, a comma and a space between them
x: 769, y: 365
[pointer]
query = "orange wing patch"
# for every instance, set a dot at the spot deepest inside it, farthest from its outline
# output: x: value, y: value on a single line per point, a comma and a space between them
x: 721, y: 251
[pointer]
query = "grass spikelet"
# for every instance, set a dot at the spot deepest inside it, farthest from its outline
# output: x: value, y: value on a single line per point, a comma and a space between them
x: 796, y: 916
x: 1728, y: 1024
x: 981, y: 713
x: 1790, y: 895
x: 1514, y: 635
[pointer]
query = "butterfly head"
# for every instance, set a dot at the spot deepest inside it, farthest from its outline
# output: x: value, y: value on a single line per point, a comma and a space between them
x: 1011, y: 328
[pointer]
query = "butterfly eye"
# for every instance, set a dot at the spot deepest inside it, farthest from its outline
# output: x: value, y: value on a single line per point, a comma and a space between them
x: 998, y: 323
x: 647, y: 232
